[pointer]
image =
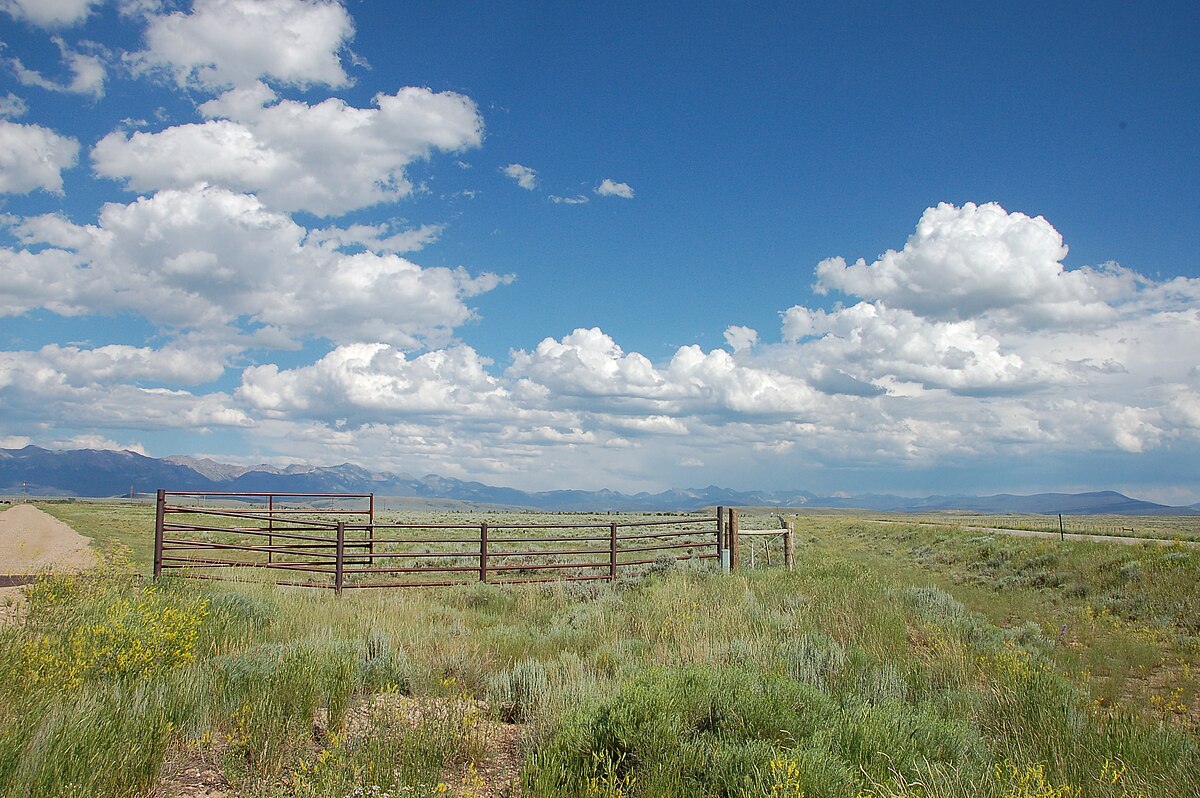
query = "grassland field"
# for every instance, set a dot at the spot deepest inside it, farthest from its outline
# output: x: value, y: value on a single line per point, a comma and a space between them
x: 907, y: 659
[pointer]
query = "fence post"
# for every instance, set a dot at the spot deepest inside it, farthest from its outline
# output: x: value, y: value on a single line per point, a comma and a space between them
x: 371, y: 530
x: 338, y: 571
x: 483, y: 551
x: 612, y: 552
x: 722, y: 548
x: 271, y: 528
x: 734, y: 560
x: 159, y: 514
x: 789, y: 545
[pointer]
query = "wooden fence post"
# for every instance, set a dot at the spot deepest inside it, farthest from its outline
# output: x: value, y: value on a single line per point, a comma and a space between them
x: 159, y: 514
x: 612, y: 551
x: 339, y: 562
x: 733, y: 539
x: 483, y: 551
x: 789, y: 545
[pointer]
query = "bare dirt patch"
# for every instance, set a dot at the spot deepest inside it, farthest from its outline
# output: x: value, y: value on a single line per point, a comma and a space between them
x: 34, y: 542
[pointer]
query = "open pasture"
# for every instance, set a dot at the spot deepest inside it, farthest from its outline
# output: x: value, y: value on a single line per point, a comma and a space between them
x: 896, y: 660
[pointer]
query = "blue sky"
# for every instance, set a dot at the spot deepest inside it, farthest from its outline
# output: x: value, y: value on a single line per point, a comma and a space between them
x: 553, y: 245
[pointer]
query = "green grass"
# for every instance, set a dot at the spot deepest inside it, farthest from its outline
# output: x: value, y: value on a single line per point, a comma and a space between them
x: 1123, y: 619
x: 893, y: 662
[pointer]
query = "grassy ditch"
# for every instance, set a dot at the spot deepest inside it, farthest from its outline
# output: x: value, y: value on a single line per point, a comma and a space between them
x: 856, y: 675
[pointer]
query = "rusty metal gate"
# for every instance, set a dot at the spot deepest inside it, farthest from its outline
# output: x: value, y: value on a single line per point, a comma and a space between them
x: 332, y: 540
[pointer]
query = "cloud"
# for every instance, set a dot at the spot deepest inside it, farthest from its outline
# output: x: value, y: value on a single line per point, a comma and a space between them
x: 49, y: 13
x: 224, y: 43
x: 99, y: 442
x: 33, y: 157
x: 12, y: 107
x: 213, y: 260
x: 327, y: 159
x: 963, y: 262
x: 740, y: 338
x: 965, y: 333
x: 578, y: 199
x: 87, y: 73
x: 872, y: 341
x: 178, y: 364
x: 588, y: 364
x: 610, y: 188
x: 36, y: 393
x: 526, y: 178
x: 377, y: 381
x: 378, y: 238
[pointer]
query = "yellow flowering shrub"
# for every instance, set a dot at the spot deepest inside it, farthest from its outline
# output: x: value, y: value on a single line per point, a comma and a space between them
x: 785, y: 778
x: 139, y: 637
x: 1029, y: 781
x: 1011, y: 664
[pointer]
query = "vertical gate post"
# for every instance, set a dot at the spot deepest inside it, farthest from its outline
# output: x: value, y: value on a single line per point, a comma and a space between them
x: 339, y: 562
x: 483, y: 551
x: 789, y: 545
x: 159, y: 515
x: 720, y: 529
x: 612, y: 552
x: 371, y: 531
x: 734, y: 560
x: 271, y: 528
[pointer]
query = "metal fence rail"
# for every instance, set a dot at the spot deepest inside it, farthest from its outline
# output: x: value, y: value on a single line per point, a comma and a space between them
x: 339, y: 547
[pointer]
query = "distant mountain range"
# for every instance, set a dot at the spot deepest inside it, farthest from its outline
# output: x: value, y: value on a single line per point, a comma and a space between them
x: 102, y: 473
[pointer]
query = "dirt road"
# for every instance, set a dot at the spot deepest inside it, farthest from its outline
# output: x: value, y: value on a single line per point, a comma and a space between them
x: 33, y: 542
x: 1029, y: 533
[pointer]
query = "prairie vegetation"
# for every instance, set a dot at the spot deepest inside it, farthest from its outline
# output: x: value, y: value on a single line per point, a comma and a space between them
x: 897, y: 660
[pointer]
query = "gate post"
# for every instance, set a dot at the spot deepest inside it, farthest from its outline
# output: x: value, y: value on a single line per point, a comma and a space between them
x: 612, y: 552
x: 371, y: 531
x: 339, y: 561
x: 789, y: 545
x: 159, y: 514
x: 734, y: 560
x: 483, y: 551
x: 722, y: 543
x: 271, y: 528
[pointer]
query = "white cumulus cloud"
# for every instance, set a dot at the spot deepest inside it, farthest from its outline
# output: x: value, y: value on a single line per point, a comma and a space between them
x: 872, y: 341
x: 222, y: 43
x: 377, y: 380
x: 210, y: 259
x: 49, y: 13
x: 740, y: 338
x: 526, y: 178
x: 328, y: 158
x: 88, y: 73
x: 33, y: 157
x: 962, y: 262
x: 590, y: 365
x: 610, y: 188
